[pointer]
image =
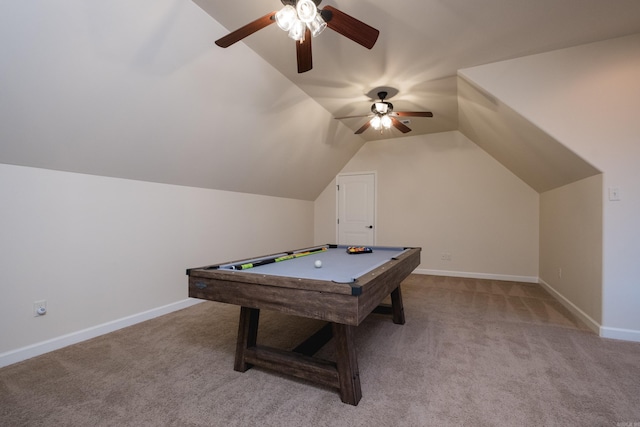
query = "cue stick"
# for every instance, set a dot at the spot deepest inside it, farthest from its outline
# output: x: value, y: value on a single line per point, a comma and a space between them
x: 272, y: 260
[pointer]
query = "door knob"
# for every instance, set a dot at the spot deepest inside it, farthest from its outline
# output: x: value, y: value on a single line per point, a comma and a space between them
x: 369, y: 226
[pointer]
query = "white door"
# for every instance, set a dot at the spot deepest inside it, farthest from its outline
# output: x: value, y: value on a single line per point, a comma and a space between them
x: 356, y: 208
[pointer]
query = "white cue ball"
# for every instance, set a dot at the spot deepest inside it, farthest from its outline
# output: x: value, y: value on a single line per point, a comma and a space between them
x: 318, y: 263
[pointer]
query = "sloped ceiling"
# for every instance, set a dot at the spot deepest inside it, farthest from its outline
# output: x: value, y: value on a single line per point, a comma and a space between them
x: 527, y: 151
x: 138, y: 90
x: 421, y: 46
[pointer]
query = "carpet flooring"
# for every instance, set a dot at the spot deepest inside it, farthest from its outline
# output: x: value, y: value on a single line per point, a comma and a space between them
x: 472, y: 353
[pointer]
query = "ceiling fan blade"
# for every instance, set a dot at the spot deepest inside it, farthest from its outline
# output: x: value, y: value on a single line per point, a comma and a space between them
x: 303, y: 52
x: 399, y: 125
x: 413, y: 113
x: 364, y: 127
x: 350, y: 27
x: 247, y: 30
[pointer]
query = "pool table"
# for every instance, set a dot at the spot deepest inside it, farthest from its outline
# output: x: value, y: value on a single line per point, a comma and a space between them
x: 343, y: 291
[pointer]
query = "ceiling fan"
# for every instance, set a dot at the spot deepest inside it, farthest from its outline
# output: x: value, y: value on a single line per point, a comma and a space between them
x: 384, y: 117
x: 302, y: 19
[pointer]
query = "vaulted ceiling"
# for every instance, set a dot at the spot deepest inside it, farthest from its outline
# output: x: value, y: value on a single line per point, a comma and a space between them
x: 138, y: 89
x: 421, y: 46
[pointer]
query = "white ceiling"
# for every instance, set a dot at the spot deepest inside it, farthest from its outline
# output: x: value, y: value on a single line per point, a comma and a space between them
x: 421, y: 46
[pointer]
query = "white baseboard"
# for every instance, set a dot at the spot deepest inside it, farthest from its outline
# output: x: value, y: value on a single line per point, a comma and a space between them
x: 24, y: 353
x: 602, y: 331
x: 470, y: 275
x: 591, y: 323
x: 620, y: 334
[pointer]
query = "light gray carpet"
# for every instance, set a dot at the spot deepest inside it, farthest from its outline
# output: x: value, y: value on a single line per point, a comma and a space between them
x: 472, y: 353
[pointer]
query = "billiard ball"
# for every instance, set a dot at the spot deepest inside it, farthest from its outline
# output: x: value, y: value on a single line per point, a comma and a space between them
x: 318, y: 263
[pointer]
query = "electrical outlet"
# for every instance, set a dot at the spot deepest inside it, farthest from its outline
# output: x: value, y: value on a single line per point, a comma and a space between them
x: 445, y: 256
x: 614, y: 194
x: 39, y: 308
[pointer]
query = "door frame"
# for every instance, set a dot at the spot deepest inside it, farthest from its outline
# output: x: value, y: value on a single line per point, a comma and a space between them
x: 375, y: 202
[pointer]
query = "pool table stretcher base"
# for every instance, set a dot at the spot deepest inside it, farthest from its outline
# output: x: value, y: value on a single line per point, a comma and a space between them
x: 343, y: 374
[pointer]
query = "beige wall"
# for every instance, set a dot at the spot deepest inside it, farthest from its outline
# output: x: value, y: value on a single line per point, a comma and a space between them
x: 443, y: 193
x: 101, y: 249
x: 571, y: 246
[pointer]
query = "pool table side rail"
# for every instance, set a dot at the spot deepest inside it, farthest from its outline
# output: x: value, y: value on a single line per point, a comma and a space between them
x: 328, y: 306
x: 271, y: 280
x: 317, y: 299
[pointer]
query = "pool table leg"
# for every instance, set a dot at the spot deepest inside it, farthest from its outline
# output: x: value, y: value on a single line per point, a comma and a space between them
x: 347, y: 363
x: 397, y: 306
x: 247, y: 336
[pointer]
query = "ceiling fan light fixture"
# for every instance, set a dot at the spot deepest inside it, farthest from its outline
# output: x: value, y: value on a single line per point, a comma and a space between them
x: 385, y: 121
x: 376, y: 123
x: 297, y: 30
x: 307, y: 10
x: 317, y: 26
x: 286, y: 17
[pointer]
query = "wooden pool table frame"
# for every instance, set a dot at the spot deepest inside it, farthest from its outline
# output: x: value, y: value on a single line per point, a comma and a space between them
x: 344, y: 306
